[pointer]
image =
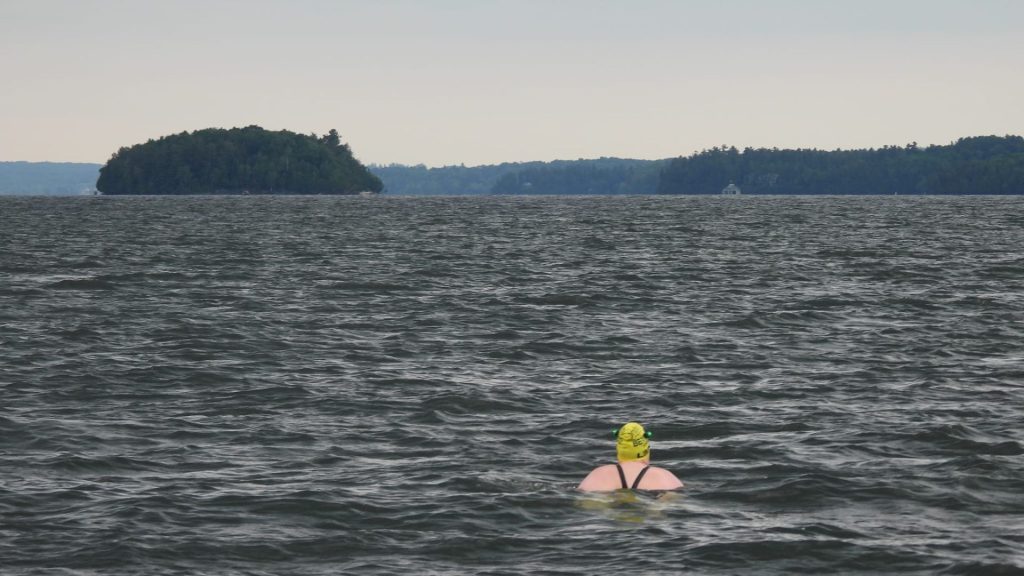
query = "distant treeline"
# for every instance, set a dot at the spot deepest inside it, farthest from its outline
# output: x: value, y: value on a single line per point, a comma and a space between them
x: 47, y: 178
x: 600, y: 176
x: 238, y: 160
x: 977, y: 165
x: 419, y: 180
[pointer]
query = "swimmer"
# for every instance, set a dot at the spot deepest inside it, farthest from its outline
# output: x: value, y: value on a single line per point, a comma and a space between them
x: 633, y: 470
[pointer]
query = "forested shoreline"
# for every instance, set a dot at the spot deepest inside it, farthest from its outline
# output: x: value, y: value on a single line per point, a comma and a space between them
x: 585, y: 176
x: 977, y: 165
x: 604, y: 176
x: 256, y: 161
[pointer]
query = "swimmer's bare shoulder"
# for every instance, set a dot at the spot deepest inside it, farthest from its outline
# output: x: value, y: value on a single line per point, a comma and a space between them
x: 660, y: 479
x: 601, y: 479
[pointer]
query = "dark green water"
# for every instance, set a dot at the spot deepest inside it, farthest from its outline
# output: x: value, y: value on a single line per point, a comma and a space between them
x: 251, y: 385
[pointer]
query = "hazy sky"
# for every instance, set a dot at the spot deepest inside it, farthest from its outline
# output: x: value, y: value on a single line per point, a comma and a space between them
x: 485, y: 81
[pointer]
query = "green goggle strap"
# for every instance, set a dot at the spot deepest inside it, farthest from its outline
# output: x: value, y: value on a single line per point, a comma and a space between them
x: 615, y: 433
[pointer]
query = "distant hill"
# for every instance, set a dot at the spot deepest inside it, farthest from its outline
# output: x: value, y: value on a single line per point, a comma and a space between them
x: 247, y: 160
x: 603, y: 176
x: 418, y: 180
x: 47, y: 178
x: 598, y: 176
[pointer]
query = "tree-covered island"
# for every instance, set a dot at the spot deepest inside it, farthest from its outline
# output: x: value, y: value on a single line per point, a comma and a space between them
x: 247, y: 160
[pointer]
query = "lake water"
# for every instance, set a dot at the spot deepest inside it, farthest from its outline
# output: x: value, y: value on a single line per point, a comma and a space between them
x: 325, y: 385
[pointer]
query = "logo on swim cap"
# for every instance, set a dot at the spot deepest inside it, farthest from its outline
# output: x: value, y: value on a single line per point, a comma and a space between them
x: 631, y: 442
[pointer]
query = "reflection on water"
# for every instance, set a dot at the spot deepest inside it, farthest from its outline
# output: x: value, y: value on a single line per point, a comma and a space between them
x: 631, y: 505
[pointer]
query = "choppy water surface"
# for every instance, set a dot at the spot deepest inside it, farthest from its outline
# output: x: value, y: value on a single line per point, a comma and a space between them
x: 372, y: 386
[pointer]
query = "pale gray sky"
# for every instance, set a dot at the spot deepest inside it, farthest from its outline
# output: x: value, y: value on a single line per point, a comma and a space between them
x: 485, y: 81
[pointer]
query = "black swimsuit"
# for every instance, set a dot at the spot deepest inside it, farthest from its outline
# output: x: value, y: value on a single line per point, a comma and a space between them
x: 639, y: 477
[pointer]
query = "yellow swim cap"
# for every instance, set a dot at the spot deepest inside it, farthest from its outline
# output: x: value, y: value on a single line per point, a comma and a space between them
x: 631, y: 442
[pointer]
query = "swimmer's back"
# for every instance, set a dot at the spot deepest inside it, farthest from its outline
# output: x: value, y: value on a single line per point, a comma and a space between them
x: 607, y: 478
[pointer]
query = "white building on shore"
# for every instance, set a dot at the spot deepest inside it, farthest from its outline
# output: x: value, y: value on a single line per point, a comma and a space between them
x: 731, y: 189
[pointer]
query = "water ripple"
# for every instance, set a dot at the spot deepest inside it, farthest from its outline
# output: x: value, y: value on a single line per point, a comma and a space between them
x: 341, y: 385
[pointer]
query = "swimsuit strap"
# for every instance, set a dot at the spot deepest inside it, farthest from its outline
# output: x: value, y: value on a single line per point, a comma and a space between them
x: 639, y: 477
x: 622, y: 476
